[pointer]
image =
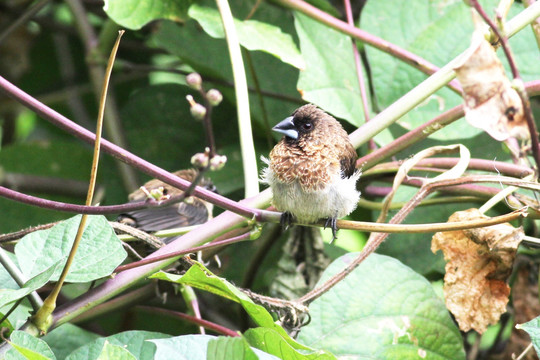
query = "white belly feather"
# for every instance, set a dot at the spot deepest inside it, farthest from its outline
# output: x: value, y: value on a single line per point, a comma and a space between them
x: 336, y: 200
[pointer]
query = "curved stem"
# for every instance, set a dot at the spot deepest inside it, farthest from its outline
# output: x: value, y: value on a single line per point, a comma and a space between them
x: 67, y: 125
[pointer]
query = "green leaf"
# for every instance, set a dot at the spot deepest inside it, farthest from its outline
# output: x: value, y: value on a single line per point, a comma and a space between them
x: 8, y: 296
x: 382, y: 310
x: 134, y: 14
x: 99, y: 253
x: 201, y: 278
x: 133, y: 341
x: 67, y: 338
x: 252, y: 34
x: 273, y: 343
x: 533, y: 329
x: 25, y: 346
x: 330, y: 79
x: 115, y: 352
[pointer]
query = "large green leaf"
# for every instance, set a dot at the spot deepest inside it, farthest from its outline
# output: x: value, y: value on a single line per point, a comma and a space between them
x: 382, y: 310
x: 100, y: 251
x: 329, y: 79
x: 134, y: 14
x: 252, y: 34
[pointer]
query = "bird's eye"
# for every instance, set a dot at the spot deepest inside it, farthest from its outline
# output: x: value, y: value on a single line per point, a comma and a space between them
x: 307, y: 126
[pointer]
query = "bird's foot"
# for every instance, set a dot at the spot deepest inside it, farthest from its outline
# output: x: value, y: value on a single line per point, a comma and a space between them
x: 331, y: 222
x: 286, y: 220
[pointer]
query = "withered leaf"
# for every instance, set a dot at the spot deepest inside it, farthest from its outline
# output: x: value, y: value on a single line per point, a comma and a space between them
x: 478, y: 262
x: 491, y: 103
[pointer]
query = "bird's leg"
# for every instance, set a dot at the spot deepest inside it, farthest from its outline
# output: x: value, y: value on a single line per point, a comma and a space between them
x: 331, y: 222
x: 286, y: 220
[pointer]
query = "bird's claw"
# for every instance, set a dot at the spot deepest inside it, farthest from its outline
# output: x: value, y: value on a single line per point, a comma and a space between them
x: 286, y: 220
x: 331, y: 222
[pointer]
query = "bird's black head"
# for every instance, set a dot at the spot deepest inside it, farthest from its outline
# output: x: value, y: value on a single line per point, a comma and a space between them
x: 303, y: 121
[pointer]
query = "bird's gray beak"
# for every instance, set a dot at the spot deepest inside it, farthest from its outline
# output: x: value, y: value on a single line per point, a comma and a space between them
x: 287, y: 128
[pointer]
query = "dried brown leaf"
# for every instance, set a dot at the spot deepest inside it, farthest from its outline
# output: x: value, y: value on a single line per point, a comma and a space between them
x: 491, y: 103
x: 478, y: 264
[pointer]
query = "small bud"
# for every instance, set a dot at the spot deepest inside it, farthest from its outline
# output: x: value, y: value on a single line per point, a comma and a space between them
x: 198, y: 111
x: 214, y: 97
x: 217, y: 162
x: 194, y: 81
x: 199, y: 160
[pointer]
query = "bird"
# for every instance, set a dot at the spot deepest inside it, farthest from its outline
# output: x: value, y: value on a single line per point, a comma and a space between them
x: 311, y: 170
x: 191, y: 211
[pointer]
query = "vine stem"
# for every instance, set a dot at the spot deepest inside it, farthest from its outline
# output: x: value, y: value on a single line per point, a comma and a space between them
x: 251, y: 177
x: 81, y: 133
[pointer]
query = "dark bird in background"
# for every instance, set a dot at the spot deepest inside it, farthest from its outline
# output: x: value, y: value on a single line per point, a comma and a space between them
x: 312, y: 169
x: 192, y: 211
